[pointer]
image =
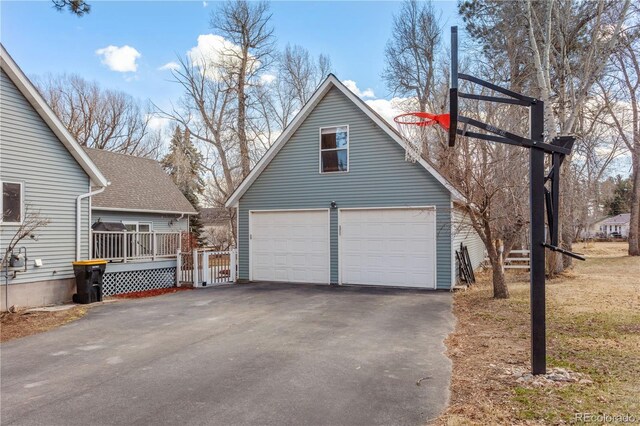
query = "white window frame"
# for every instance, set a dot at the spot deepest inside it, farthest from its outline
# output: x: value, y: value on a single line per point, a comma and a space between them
x: 137, y: 224
x: 22, y: 212
x: 320, y: 150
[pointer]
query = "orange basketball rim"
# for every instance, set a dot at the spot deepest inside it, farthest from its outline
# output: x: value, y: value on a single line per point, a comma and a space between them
x: 423, y: 119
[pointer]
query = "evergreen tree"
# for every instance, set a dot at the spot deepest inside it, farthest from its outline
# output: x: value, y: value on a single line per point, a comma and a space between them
x: 620, y: 202
x: 183, y: 164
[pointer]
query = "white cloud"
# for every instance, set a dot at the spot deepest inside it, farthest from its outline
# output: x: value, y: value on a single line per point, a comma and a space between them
x: 214, y: 51
x: 267, y: 78
x: 205, y: 4
x: 366, y: 93
x: 390, y: 108
x: 170, y: 66
x: 120, y: 59
x: 158, y: 123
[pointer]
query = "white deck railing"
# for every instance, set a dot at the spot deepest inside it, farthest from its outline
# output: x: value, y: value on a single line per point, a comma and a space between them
x: 134, y: 246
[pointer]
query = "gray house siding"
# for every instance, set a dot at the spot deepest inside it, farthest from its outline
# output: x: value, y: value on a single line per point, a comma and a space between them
x: 378, y: 177
x: 464, y: 233
x: 30, y: 153
x: 160, y: 221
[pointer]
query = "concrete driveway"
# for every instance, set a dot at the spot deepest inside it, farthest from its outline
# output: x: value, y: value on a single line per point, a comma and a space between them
x: 276, y: 354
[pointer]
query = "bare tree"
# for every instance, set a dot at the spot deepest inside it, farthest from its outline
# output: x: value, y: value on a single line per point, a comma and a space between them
x: 412, y: 51
x: 621, y: 96
x: 566, y: 68
x: 247, y: 26
x: 32, y: 222
x: 99, y: 118
x: 298, y: 76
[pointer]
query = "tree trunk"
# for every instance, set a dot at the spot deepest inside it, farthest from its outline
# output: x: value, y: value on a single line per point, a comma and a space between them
x: 500, y: 289
x: 634, y: 217
x: 242, y: 116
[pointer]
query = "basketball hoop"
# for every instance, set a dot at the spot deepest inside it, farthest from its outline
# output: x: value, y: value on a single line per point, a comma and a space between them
x: 413, y: 128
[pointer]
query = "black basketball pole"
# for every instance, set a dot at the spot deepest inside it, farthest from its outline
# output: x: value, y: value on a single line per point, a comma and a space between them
x: 558, y: 148
x: 537, y: 260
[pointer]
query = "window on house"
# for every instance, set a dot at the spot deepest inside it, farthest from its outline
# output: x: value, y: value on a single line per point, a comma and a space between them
x: 334, y: 149
x: 12, y: 202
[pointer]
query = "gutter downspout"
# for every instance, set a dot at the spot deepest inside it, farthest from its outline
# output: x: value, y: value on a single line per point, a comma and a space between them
x: 79, y: 217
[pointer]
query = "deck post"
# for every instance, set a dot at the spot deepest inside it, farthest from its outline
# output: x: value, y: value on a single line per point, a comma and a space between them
x: 124, y: 246
x: 178, y: 267
x: 195, y: 268
x: 232, y: 265
x: 154, y: 244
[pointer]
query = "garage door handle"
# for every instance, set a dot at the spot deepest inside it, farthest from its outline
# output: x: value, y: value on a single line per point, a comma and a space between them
x: 339, y: 229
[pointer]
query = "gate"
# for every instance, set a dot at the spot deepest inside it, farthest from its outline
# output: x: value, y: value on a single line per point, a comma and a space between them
x: 205, y: 268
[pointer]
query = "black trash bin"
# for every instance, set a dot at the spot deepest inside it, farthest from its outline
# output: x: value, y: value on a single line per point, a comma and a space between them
x: 88, y: 280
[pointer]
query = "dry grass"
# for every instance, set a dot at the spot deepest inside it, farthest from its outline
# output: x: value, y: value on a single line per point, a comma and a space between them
x: 23, y: 323
x: 593, y: 326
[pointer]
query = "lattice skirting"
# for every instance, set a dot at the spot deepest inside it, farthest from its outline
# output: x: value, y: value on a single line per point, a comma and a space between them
x: 131, y: 281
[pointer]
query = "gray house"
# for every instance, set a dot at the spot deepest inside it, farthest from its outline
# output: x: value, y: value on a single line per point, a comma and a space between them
x: 141, y: 196
x: 44, y: 174
x: 333, y: 201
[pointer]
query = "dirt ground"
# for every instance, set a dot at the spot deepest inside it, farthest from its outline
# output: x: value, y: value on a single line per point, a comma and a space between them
x: 593, y: 329
x: 23, y: 323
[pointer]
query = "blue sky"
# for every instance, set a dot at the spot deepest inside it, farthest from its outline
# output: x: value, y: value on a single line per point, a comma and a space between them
x: 42, y: 40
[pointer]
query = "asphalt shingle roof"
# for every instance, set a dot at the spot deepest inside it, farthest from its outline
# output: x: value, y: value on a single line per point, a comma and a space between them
x: 137, y: 184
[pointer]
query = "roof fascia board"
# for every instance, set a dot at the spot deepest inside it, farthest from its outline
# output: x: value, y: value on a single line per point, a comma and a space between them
x: 42, y: 108
x: 116, y: 209
x: 279, y: 143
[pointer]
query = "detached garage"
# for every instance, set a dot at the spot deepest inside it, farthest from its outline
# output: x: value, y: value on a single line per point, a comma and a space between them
x: 333, y: 201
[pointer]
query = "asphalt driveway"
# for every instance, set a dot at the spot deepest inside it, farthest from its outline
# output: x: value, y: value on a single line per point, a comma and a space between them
x: 274, y: 354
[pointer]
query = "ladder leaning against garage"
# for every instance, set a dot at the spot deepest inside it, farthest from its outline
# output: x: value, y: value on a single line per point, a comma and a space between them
x: 204, y: 268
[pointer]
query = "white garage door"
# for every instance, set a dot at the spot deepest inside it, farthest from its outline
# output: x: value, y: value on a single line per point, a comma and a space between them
x: 289, y: 246
x: 391, y: 247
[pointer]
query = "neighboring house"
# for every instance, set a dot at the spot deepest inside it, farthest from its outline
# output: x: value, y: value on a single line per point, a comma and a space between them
x: 98, y: 204
x: 614, y: 226
x: 334, y: 201
x: 141, y: 195
x: 137, y: 223
x: 44, y: 172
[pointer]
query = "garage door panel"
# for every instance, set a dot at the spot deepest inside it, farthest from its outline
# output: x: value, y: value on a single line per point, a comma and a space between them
x: 390, y: 247
x: 290, y: 246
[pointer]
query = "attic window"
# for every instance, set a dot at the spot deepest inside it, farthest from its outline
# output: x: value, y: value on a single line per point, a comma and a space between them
x: 334, y: 149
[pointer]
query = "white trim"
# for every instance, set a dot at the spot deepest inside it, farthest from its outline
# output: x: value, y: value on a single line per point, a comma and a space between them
x: 115, y: 209
x: 144, y: 222
x: 453, y: 250
x: 35, y: 99
x: 22, y: 203
x: 329, y: 82
x: 435, y: 237
x: 285, y: 211
x: 320, y: 150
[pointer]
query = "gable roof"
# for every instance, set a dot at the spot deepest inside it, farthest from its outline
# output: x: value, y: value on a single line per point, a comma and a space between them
x: 137, y: 184
x: 32, y: 95
x: 330, y: 82
x: 621, y: 219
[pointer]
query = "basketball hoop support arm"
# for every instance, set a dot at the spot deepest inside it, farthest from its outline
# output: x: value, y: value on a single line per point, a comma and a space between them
x: 539, y: 196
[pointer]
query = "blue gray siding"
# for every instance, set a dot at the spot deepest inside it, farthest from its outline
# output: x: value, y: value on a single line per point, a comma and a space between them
x: 31, y: 153
x: 378, y: 177
x: 464, y: 233
x: 160, y: 221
